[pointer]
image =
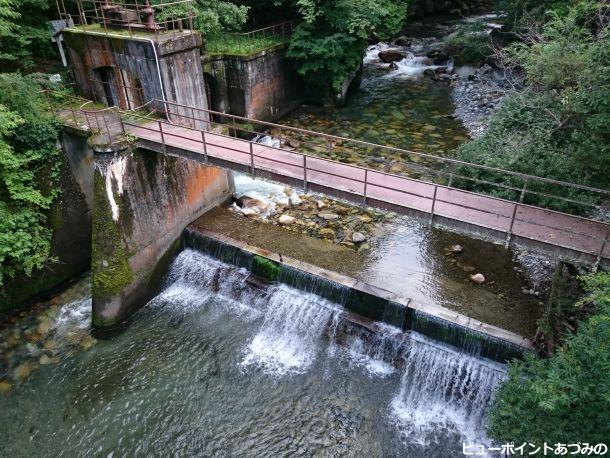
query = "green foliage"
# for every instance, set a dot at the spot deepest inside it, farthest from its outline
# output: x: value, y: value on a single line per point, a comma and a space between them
x: 265, y: 268
x: 472, y: 41
x: 211, y: 18
x: 557, y: 125
x: 28, y: 174
x: 241, y: 45
x: 330, y: 43
x: 520, y: 12
x: 24, y: 33
x: 565, y: 398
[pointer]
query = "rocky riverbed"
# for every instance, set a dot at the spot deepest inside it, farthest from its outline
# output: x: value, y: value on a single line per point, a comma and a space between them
x: 310, y: 214
x: 45, y: 334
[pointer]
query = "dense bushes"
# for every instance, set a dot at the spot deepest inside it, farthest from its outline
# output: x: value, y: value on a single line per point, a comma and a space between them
x: 565, y: 398
x: 556, y: 125
x: 28, y: 175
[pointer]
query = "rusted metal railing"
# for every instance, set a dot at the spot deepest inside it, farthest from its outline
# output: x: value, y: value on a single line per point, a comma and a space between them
x: 512, y: 217
x: 133, y: 18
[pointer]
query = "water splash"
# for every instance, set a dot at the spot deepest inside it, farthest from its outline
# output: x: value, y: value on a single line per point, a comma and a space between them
x: 443, y: 389
x: 289, y: 338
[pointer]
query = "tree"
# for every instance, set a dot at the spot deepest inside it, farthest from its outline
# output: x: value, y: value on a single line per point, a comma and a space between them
x: 565, y: 398
x: 24, y: 33
x: 28, y: 175
x: 554, y: 122
x: 329, y: 44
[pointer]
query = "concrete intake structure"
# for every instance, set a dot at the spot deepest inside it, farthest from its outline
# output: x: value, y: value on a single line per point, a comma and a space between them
x: 130, y: 71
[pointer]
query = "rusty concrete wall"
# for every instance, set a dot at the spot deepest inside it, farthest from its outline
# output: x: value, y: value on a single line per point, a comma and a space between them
x: 143, y: 201
x: 179, y: 59
x: 261, y: 86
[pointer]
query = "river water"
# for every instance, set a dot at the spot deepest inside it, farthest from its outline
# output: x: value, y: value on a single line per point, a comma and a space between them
x: 397, y: 107
x: 216, y: 367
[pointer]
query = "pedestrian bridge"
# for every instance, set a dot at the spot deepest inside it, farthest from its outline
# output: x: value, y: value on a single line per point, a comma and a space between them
x: 227, y: 141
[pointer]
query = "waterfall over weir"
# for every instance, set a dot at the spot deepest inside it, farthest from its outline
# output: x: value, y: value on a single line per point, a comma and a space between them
x: 439, y: 386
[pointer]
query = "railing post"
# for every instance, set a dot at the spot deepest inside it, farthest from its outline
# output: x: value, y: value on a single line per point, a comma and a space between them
x: 305, y: 172
x: 252, y: 159
x: 162, y: 136
x: 509, y: 235
x: 205, y: 147
x: 451, y: 172
x: 602, y: 249
x: 523, y: 191
x: 366, y: 182
x: 433, y: 205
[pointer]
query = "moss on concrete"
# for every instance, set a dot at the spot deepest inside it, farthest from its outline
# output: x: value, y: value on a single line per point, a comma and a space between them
x: 265, y: 268
x: 110, y: 263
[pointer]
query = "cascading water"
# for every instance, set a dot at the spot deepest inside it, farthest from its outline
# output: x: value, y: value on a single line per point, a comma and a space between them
x: 288, y: 339
x: 440, y: 389
x: 443, y: 388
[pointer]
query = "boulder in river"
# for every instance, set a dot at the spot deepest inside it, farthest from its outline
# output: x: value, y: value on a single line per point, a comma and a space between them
x: 403, y: 41
x: 391, y: 55
x: 5, y: 387
x: 477, y: 278
x: 358, y: 237
x: 328, y: 216
x: 23, y: 371
x: 286, y: 220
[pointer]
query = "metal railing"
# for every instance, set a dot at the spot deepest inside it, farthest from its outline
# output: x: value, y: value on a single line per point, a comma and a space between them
x: 131, y: 18
x: 446, y: 170
x: 373, y: 186
x: 249, y: 42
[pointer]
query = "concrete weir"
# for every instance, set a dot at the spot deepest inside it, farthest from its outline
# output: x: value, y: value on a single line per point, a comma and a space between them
x: 367, y: 302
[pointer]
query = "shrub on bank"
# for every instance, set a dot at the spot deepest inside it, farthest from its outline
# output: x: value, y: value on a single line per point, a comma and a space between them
x: 564, y: 398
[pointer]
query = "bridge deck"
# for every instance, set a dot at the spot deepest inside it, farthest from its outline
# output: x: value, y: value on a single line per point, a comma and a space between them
x: 519, y: 220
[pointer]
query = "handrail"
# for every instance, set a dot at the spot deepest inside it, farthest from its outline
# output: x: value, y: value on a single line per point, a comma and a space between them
x: 601, y: 240
x: 391, y: 148
x: 592, y: 236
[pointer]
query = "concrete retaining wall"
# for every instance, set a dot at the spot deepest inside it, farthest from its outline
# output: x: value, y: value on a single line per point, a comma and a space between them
x: 143, y: 201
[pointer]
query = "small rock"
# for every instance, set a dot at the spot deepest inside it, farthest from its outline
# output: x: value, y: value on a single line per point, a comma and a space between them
x: 293, y: 143
x: 365, y: 218
x: 249, y: 212
x: 23, y: 371
x: 455, y: 249
x: 44, y: 327
x: 286, y: 220
x: 320, y: 204
x: 477, y: 278
x: 358, y: 237
x: 364, y: 247
x: 50, y: 345
x: 44, y: 360
x: 5, y: 387
x: 87, y: 342
x: 393, y: 66
x: 328, y: 216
